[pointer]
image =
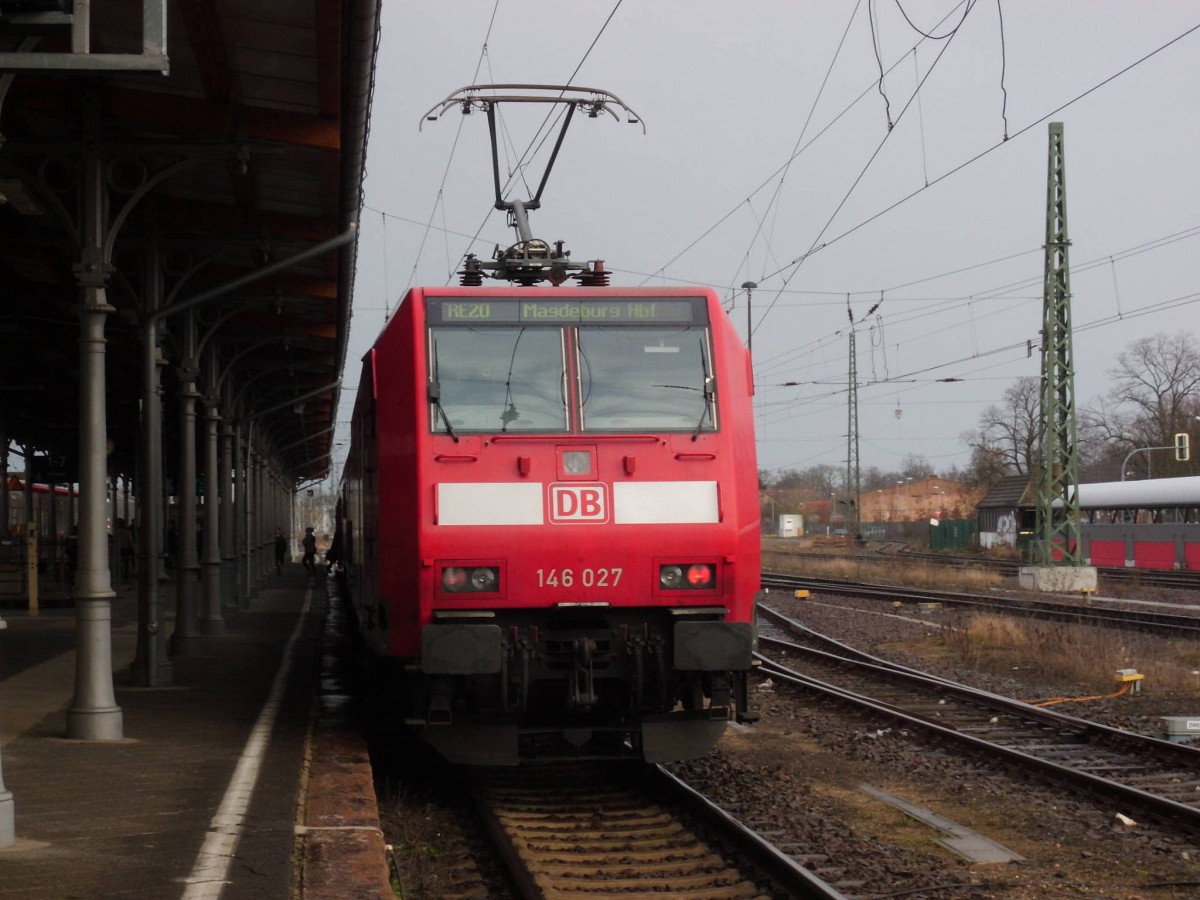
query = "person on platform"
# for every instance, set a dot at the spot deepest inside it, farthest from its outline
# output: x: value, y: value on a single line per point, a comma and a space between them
x: 281, y: 546
x: 310, y: 551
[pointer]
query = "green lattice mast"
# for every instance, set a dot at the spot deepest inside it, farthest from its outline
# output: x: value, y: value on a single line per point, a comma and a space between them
x: 853, y: 483
x: 1058, y: 502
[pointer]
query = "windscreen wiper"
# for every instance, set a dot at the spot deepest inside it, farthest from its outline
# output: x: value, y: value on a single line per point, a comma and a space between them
x: 709, y: 390
x: 435, y: 396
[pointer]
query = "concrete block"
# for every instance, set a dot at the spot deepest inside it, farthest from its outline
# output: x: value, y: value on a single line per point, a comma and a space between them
x: 1181, y: 728
x: 1057, y: 579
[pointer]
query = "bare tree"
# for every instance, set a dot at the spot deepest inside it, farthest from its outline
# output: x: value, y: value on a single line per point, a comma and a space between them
x: 987, y: 466
x: 916, y: 467
x: 1007, y: 438
x: 1101, y: 448
x: 820, y: 479
x: 1155, y: 395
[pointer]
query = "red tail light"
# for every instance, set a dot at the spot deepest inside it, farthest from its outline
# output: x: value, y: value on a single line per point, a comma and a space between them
x: 688, y: 577
x: 700, y: 576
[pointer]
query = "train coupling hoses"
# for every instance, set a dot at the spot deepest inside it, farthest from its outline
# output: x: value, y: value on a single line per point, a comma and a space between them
x: 583, y: 681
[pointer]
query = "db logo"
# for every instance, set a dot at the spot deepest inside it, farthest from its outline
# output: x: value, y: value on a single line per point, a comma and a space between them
x: 575, y: 503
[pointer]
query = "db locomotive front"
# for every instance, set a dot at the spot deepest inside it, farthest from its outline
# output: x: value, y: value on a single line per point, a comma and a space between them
x: 552, y: 500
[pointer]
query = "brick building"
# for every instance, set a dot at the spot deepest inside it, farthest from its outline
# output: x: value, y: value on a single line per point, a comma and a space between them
x: 910, y: 501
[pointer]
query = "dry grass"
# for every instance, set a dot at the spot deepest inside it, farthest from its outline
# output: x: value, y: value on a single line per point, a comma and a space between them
x: 1057, y: 651
x: 892, y: 571
x: 1079, y: 655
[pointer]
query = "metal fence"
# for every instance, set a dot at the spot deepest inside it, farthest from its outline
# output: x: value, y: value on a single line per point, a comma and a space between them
x: 948, y: 534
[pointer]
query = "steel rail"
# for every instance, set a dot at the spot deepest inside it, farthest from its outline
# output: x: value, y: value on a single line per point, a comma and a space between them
x: 1170, y: 624
x: 788, y: 874
x: 1181, y: 580
x: 1093, y: 733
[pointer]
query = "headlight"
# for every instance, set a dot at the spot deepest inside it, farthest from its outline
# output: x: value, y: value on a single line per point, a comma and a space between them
x: 483, y: 579
x: 577, y: 462
x: 470, y: 579
x: 670, y: 577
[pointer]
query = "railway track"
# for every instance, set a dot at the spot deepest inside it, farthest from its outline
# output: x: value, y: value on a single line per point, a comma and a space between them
x: 1184, y: 581
x: 1167, y: 624
x: 889, y: 554
x: 1143, y: 773
x: 596, y: 830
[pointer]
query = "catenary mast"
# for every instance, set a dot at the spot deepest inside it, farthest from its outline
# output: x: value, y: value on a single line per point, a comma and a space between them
x: 1058, y: 500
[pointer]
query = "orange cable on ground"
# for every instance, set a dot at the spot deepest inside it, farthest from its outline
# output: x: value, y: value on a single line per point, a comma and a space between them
x: 1124, y: 689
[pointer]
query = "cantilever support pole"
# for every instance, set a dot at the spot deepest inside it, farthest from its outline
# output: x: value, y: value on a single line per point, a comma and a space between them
x: 211, y: 619
x: 93, y: 714
x: 152, y: 663
x: 8, y: 833
x: 185, y: 640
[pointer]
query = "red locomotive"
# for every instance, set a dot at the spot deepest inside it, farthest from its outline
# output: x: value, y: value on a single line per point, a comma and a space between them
x: 550, y: 517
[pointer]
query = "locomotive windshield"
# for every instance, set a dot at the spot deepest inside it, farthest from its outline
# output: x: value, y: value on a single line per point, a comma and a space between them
x: 498, y: 379
x: 550, y: 365
x: 638, y: 379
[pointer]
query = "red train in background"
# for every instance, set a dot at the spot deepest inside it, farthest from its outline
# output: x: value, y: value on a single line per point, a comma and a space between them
x: 1147, y: 524
x: 549, y: 520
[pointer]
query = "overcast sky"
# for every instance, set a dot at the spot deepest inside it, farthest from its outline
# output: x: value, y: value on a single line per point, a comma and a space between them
x: 768, y: 157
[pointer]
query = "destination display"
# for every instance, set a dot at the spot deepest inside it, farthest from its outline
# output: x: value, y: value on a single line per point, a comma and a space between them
x: 565, y: 311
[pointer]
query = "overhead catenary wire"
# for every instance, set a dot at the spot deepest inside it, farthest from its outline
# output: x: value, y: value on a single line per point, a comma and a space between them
x: 933, y: 37
x: 773, y: 203
x: 920, y: 118
x: 987, y: 151
x: 1148, y: 309
x: 796, y: 264
x: 782, y: 168
x: 838, y: 293
x: 440, y: 195
x: 408, y: 220
x: 822, y: 245
x: 910, y: 375
x: 983, y: 154
x: 939, y: 306
x: 509, y: 146
x: 1003, y: 69
x: 879, y: 60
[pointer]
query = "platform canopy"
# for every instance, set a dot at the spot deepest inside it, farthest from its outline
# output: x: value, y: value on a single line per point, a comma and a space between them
x: 248, y: 152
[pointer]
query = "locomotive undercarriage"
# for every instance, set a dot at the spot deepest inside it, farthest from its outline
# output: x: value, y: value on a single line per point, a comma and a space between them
x: 581, y: 683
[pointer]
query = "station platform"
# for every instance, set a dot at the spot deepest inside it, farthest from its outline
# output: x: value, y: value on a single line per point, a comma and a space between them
x: 245, y: 778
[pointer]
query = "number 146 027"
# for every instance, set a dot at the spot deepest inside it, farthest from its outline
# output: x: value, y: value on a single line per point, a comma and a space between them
x: 588, y: 578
